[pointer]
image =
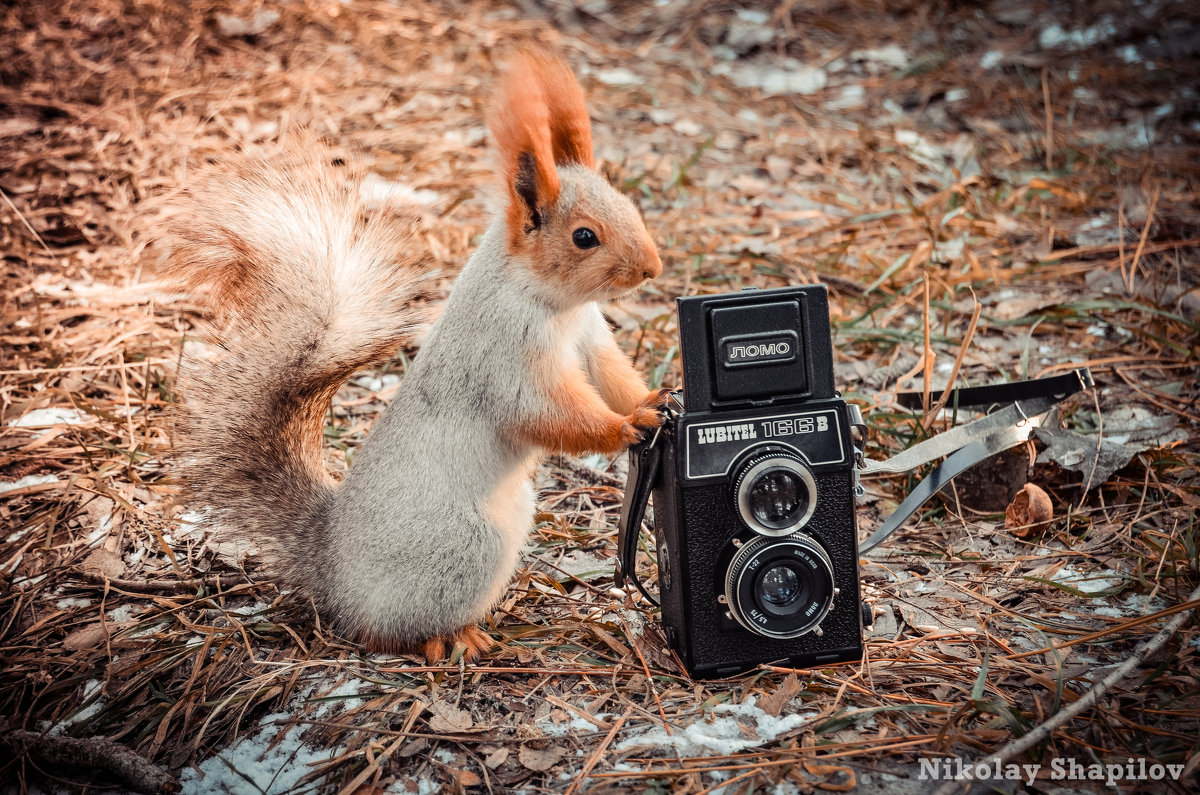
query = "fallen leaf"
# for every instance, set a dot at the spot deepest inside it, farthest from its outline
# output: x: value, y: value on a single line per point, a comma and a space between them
x: 496, y: 758
x: 413, y: 748
x: 88, y: 637
x: 105, y: 564
x: 465, y: 778
x: 539, y: 759
x: 448, y: 718
x: 774, y: 703
x: 1079, y: 453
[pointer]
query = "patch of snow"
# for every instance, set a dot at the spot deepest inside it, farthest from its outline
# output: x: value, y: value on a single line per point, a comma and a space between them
x: 91, y: 689
x: 28, y: 480
x: 469, y: 136
x: 991, y: 59
x: 752, y: 15
x: 257, y: 763
x: 1056, y: 36
x: 52, y: 416
x: 72, y: 601
x: 892, y: 56
x: 949, y: 250
x: 377, y: 383
x: 574, y: 726
x: 1087, y: 583
x: 788, y: 76
x: 687, y: 127
x: 851, y: 96
x: 1129, y: 54
x: 232, y: 26
x: 723, y: 734
x: 344, y: 696
x: 375, y: 191
x: 618, y: 77
x: 749, y: 29
x: 122, y: 614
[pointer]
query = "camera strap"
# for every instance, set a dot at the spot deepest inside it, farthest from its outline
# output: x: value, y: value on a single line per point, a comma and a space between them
x: 964, y: 446
x: 645, y: 458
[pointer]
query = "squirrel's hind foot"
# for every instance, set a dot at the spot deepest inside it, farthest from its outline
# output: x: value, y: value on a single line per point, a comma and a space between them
x: 474, y: 640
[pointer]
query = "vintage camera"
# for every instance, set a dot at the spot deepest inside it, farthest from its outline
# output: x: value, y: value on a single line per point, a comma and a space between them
x: 754, y: 489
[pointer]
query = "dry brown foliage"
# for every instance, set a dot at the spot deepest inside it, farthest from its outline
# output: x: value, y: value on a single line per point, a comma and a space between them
x: 911, y: 189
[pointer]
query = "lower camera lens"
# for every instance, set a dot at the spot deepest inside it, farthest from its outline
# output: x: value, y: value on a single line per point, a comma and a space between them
x: 775, y: 492
x: 780, y: 587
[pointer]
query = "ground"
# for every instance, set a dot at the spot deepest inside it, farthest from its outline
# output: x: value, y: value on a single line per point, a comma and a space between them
x: 991, y: 190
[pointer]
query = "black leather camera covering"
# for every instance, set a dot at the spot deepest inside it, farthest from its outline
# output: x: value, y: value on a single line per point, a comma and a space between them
x: 694, y: 524
x: 756, y: 347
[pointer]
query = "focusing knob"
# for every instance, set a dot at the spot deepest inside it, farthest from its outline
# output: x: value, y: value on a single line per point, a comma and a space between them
x: 868, y: 615
x: 775, y: 492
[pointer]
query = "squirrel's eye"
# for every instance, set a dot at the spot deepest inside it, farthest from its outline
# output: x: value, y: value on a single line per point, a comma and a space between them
x: 584, y: 238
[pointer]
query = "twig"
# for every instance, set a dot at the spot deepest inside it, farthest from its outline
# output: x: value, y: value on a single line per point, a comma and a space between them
x: 649, y: 677
x: 1042, y: 732
x: 21, y: 215
x: 926, y: 353
x: 1049, y: 145
x: 164, y: 586
x: 599, y: 752
x: 95, y: 753
x: 958, y: 360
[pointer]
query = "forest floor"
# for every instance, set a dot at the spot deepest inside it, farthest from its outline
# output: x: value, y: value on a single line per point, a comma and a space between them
x: 994, y: 189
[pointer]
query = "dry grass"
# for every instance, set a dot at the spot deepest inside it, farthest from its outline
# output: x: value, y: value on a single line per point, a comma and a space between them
x: 120, y: 621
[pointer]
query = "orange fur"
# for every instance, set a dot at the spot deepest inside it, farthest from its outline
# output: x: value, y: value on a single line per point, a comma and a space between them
x: 474, y: 640
x: 619, y: 384
x: 579, y: 422
x: 538, y: 112
x: 570, y: 127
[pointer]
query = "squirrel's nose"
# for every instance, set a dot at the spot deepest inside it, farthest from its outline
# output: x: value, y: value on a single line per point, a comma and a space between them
x: 652, y: 265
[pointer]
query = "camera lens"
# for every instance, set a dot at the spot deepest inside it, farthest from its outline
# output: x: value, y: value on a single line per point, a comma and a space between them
x: 775, y: 492
x: 780, y: 587
x: 778, y: 497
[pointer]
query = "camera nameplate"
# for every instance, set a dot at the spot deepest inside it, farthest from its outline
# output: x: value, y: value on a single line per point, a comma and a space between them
x: 713, y: 447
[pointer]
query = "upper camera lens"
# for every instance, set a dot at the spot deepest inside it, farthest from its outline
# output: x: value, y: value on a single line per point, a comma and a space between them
x: 778, y: 498
x: 775, y: 492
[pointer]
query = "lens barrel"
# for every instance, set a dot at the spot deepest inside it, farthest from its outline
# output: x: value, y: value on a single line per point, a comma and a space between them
x: 775, y: 492
x: 780, y: 587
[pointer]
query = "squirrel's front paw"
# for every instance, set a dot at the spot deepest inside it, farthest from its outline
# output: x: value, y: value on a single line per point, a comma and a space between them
x: 657, y: 398
x: 643, y: 419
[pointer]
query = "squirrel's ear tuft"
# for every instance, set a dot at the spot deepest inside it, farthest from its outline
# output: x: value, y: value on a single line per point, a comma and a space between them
x: 520, y: 124
x: 570, y: 127
x: 539, y: 121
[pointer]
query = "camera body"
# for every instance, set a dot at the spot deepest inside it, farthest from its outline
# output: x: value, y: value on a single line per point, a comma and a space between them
x: 754, y: 504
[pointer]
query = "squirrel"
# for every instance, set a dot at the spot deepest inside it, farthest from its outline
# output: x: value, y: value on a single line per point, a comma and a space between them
x: 419, y: 542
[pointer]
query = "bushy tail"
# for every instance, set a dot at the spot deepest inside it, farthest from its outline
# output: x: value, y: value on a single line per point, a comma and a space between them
x: 307, y: 287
